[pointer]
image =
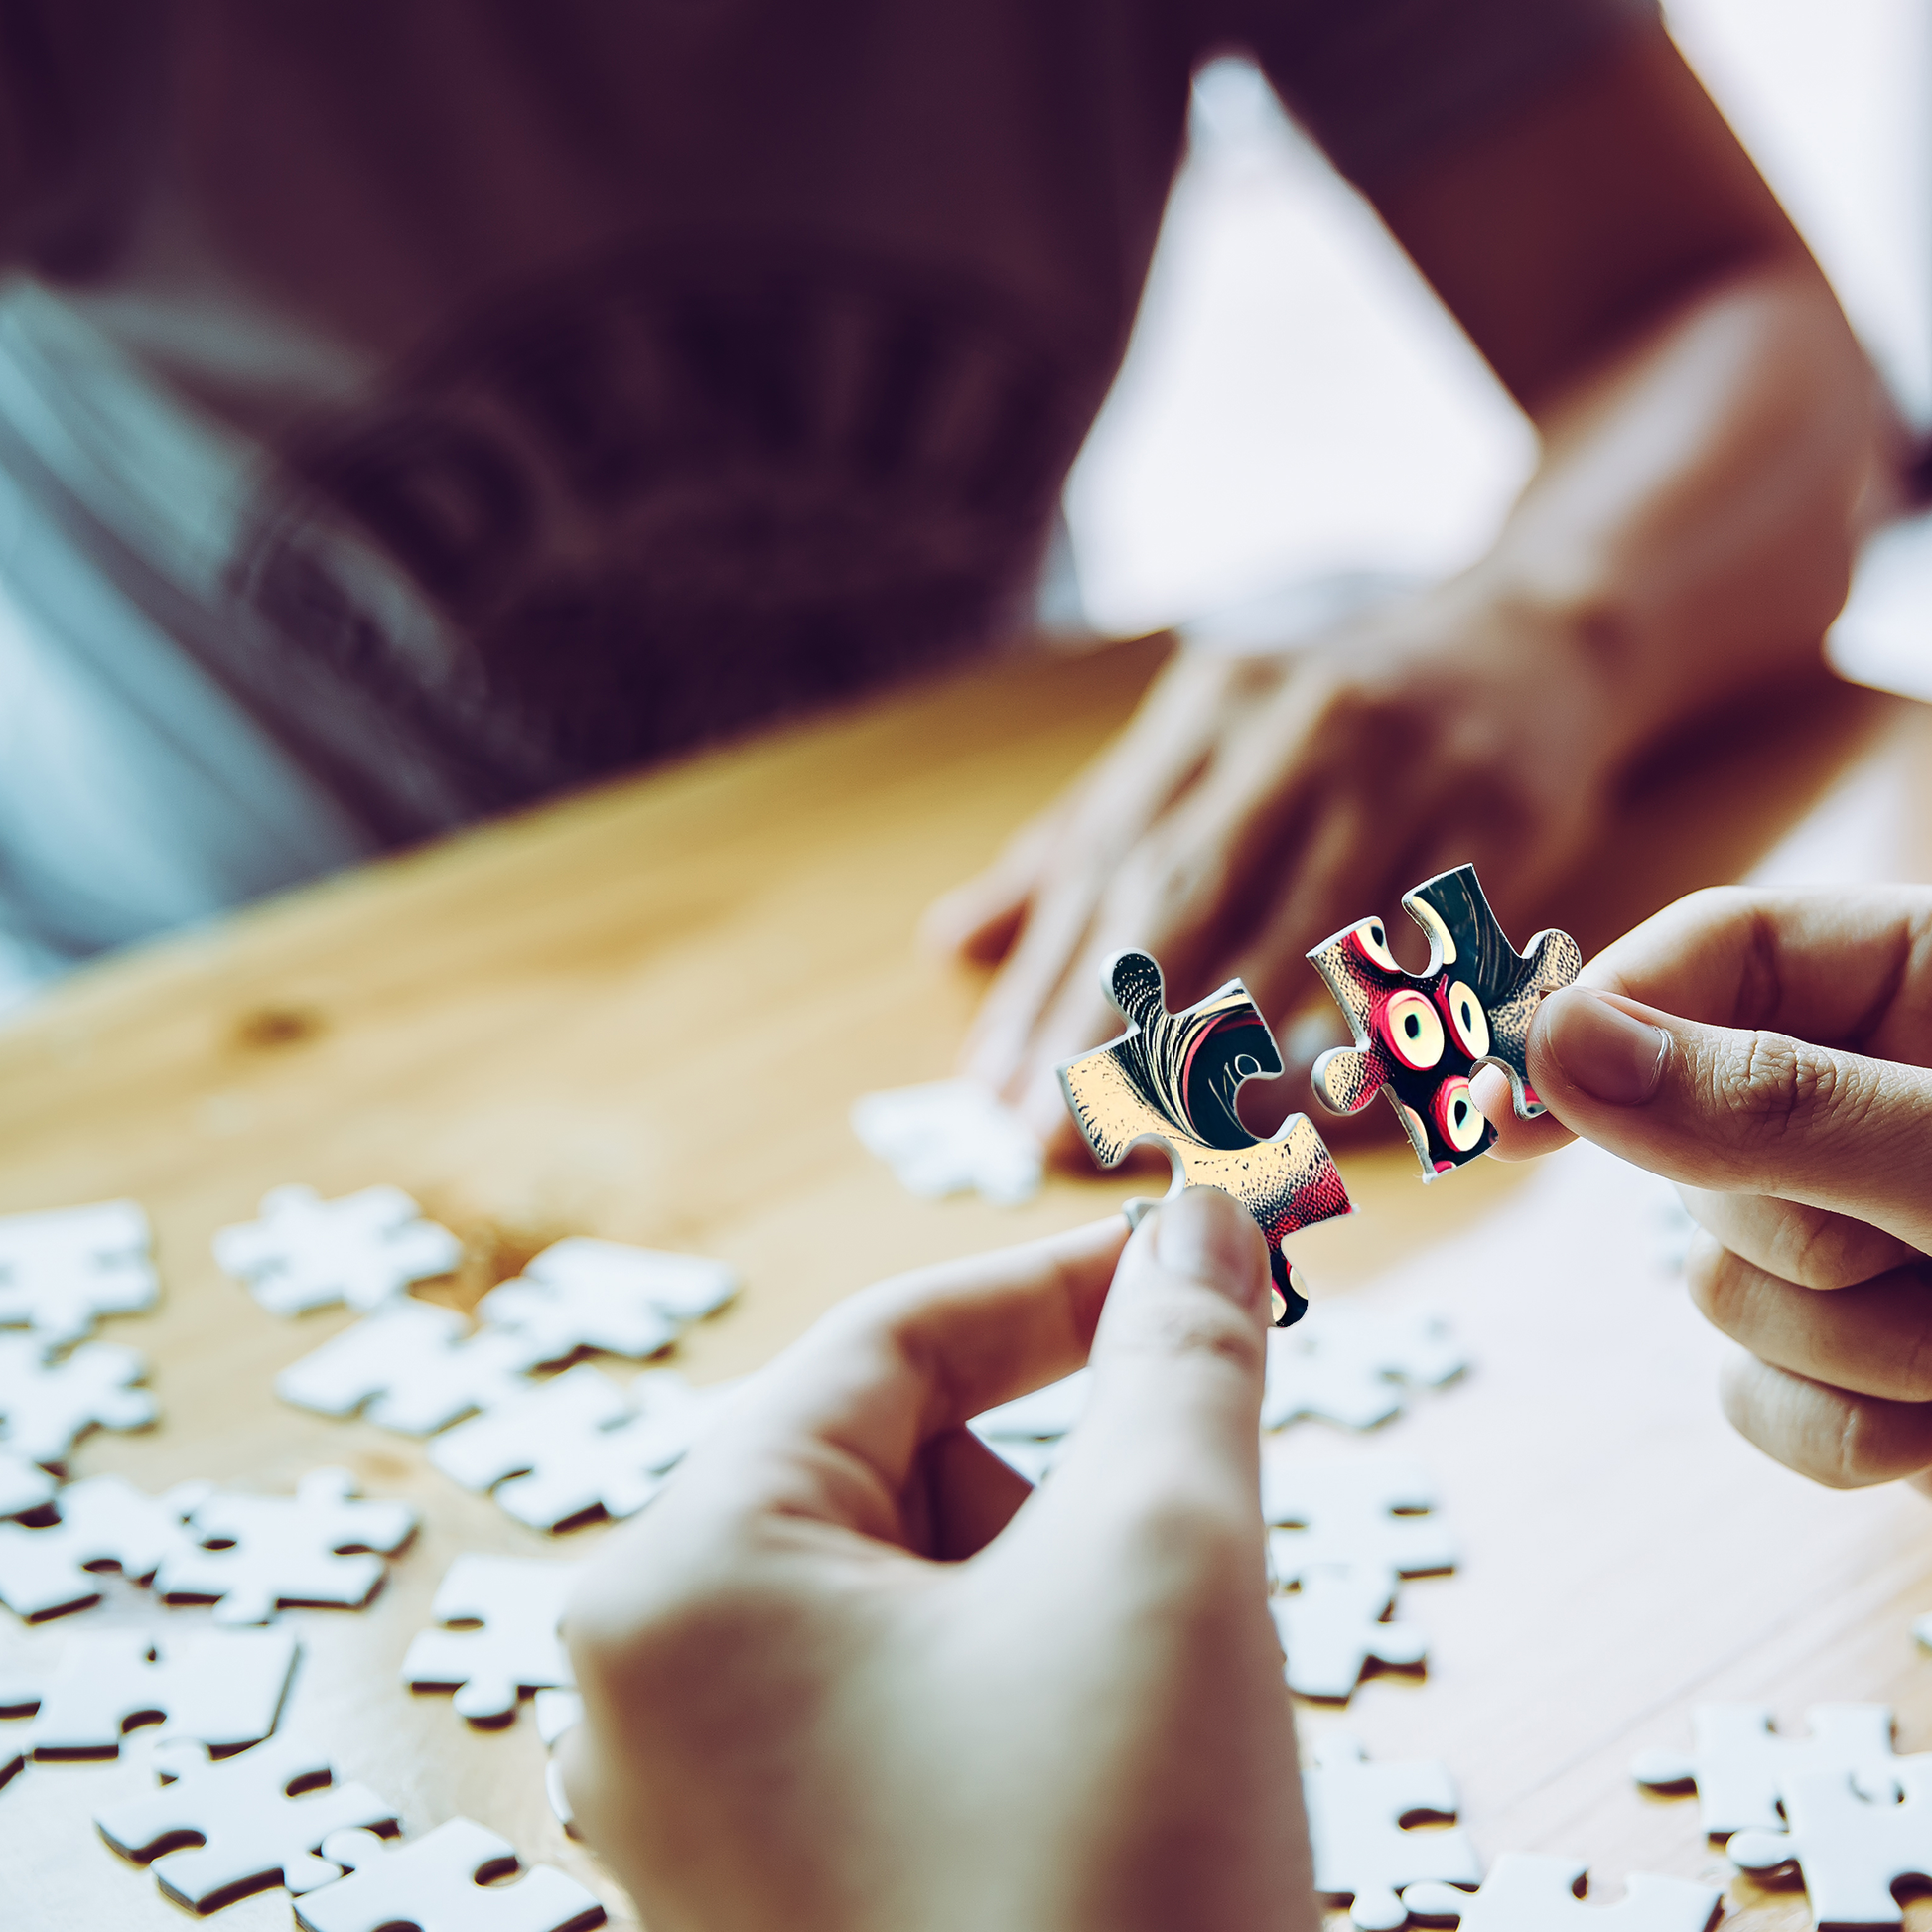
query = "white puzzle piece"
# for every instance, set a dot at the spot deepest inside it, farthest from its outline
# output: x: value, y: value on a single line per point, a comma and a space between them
x: 1738, y: 1763
x: 556, y: 1713
x: 1354, y: 1366
x: 515, y: 1605
x: 410, y: 1367
x: 1526, y: 1892
x: 104, y: 1523
x: 1332, y: 1628
x: 46, y: 1407
x: 61, y: 1269
x: 262, y: 1817
x: 223, y: 1688
x: 1362, y: 1849
x: 582, y: 1294
x: 950, y: 1137
x: 24, y: 1486
x: 1850, y: 1846
x: 20, y: 1681
x: 252, y: 1554
x: 1374, y: 1513
x: 434, y: 1884
x: 307, y: 1253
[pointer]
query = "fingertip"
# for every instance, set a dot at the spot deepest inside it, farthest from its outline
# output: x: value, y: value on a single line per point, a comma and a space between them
x: 1516, y: 1138
x: 1207, y: 1236
x: 975, y: 921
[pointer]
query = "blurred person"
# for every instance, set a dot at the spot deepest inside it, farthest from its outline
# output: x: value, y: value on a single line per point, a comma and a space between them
x: 406, y: 413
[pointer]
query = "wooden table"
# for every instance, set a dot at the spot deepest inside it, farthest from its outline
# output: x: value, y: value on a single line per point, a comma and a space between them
x: 644, y: 1013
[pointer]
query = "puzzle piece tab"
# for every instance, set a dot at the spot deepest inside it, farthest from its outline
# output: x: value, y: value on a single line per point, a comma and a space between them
x: 63, y: 1267
x: 1332, y: 1628
x: 1527, y: 1892
x: 1420, y: 1036
x: 451, y: 1879
x: 251, y: 1555
x: 262, y: 1817
x: 305, y: 1252
x: 1377, y: 1513
x: 46, y: 1407
x: 515, y: 1605
x: 106, y: 1523
x: 1172, y: 1080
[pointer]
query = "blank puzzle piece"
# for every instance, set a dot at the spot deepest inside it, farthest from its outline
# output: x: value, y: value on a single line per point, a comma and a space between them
x: 605, y: 1295
x: 1363, y: 1849
x: 250, y: 1554
x: 1420, y: 1036
x: 1372, y: 1514
x: 20, y: 1681
x: 305, y: 1252
x: 46, y: 1407
x: 1851, y: 1846
x: 24, y: 1486
x: 1332, y: 1628
x: 223, y: 1688
x: 499, y: 1636
x: 410, y: 1367
x: 220, y: 1828
x: 450, y: 1879
x: 1738, y: 1763
x: 1355, y: 1366
x: 1172, y: 1080
x: 63, y: 1267
x: 1527, y: 1892
x: 951, y: 1137
x: 106, y: 1523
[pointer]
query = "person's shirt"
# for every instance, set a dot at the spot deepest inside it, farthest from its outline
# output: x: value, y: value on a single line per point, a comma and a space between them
x: 491, y: 395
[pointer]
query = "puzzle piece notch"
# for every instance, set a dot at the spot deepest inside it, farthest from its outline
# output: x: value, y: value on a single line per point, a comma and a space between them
x: 259, y: 1817
x: 365, y: 1248
x: 1363, y: 1852
x: 223, y: 1688
x: 1355, y: 1366
x: 63, y: 1267
x: 951, y: 1137
x: 1374, y: 1513
x: 514, y: 1605
x: 104, y: 1523
x: 323, y: 1547
x: 1332, y: 1627
x: 1172, y: 1080
x: 1420, y: 1036
x: 445, y: 1881
x: 1738, y: 1763
x: 45, y: 1407
x: 1529, y: 1892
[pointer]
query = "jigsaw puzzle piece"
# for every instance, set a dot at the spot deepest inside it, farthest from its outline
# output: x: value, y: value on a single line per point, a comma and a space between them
x: 220, y: 1829
x: 951, y: 1137
x: 223, y: 1688
x: 251, y: 1555
x: 1355, y: 1366
x: 45, y: 1407
x: 20, y: 1681
x: 63, y: 1267
x: 1527, y: 1892
x: 1364, y: 1851
x: 1332, y: 1627
x: 104, y: 1523
x: 1375, y: 1513
x: 1026, y: 1433
x: 451, y: 1879
x: 556, y: 1713
x: 24, y: 1486
x: 1172, y: 1080
x: 1738, y: 1763
x: 305, y: 1252
x: 499, y: 1618
x: 1420, y: 1036
x: 582, y: 1293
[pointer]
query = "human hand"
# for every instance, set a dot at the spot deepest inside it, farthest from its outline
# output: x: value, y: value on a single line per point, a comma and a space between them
x: 1792, y: 1106
x: 850, y: 1672
x: 1254, y: 805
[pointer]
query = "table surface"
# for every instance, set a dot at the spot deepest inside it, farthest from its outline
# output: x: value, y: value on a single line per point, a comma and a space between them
x: 644, y: 1013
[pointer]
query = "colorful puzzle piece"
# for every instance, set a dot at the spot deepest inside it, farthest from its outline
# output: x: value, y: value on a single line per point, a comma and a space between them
x: 451, y: 1879
x: 509, y: 1609
x: 1851, y: 1845
x: 250, y: 1554
x: 1354, y: 1366
x: 1526, y: 1892
x: 104, y: 1523
x: 1332, y: 1627
x: 259, y: 1817
x: 305, y: 1252
x: 1172, y: 1080
x: 1420, y: 1036
x: 46, y: 1407
x: 1374, y: 1513
x: 63, y: 1267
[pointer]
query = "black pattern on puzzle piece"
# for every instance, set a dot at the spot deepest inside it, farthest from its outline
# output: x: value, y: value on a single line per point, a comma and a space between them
x: 1420, y: 1036
x: 1174, y: 1078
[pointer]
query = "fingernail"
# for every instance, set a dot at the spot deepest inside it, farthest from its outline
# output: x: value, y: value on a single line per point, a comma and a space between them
x: 1204, y: 1235
x: 1611, y: 1054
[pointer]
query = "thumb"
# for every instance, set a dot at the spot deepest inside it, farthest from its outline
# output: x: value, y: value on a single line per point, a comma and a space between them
x: 1738, y: 1110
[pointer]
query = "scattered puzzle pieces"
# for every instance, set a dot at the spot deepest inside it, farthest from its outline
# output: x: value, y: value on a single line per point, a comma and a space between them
x: 46, y: 1407
x: 1172, y: 1080
x: 950, y: 1137
x: 1332, y: 1628
x: 1361, y: 1819
x: 261, y: 1817
x: 1525, y: 1892
x: 24, y: 1486
x: 515, y: 1606
x: 450, y: 1879
x: 584, y: 1294
x: 61, y: 1269
x: 104, y: 1523
x: 410, y: 1367
x: 1420, y: 1036
x: 1738, y: 1763
x: 1374, y: 1514
x: 1354, y: 1366
x: 251, y: 1555
x: 306, y: 1253
x: 223, y: 1688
